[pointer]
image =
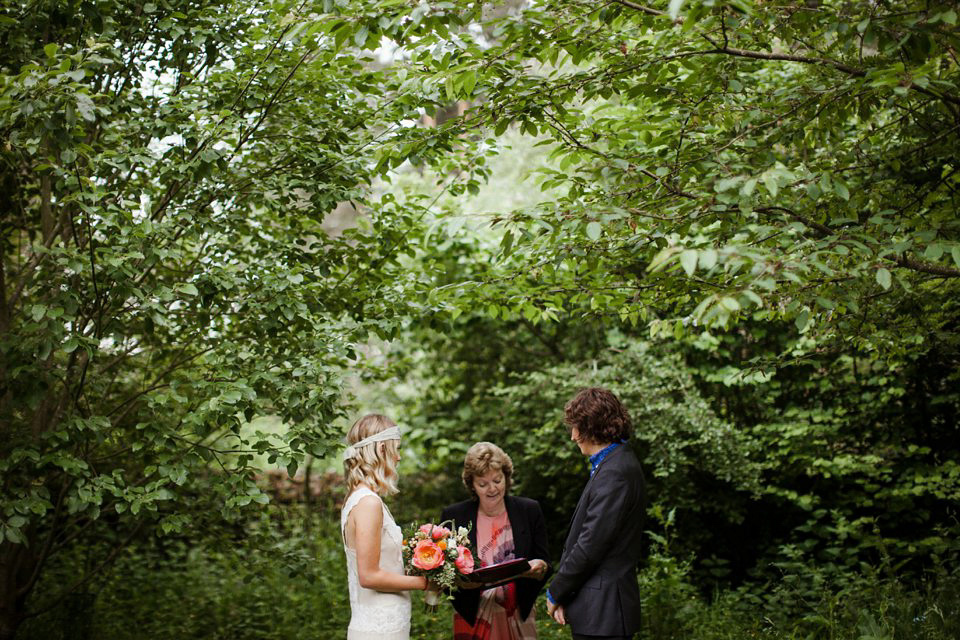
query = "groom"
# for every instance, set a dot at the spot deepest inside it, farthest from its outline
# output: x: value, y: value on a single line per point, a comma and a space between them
x: 595, y: 588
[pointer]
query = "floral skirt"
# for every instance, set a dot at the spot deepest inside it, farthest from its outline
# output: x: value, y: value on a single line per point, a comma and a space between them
x: 497, y: 619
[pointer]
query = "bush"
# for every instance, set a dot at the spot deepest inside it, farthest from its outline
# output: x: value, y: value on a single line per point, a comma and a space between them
x: 283, y: 576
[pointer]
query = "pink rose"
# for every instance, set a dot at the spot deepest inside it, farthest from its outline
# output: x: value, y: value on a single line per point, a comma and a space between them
x: 440, y: 532
x: 427, y: 555
x: 464, y: 560
x: 425, y: 529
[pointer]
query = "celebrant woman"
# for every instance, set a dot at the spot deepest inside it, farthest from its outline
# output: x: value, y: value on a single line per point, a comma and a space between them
x: 502, y: 528
x: 372, y: 542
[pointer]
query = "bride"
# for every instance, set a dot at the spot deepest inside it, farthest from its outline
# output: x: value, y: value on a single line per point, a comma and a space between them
x: 379, y: 602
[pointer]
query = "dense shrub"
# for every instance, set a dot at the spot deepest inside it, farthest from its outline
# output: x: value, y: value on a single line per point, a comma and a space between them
x: 286, y: 580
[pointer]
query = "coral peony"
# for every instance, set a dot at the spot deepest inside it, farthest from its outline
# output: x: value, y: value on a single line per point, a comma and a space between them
x: 440, y: 532
x: 464, y: 560
x: 427, y: 555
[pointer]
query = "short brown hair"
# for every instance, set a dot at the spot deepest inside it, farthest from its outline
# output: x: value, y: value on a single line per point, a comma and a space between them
x: 598, y: 415
x: 482, y: 458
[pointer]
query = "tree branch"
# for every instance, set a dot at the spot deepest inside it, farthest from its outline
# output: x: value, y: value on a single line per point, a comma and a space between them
x: 154, y: 385
x: 839, y: 66
x: 902, y: 261
x: 926, y: 267
x: 787, y: 57
x: 642, y: 9
x: 89, y: 575
x: 822, y: 229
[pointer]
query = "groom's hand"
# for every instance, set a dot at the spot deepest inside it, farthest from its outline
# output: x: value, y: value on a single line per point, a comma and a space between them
x: 556, y: 612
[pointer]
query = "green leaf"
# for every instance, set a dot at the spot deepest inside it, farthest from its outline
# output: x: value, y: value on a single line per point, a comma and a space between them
x: 688, y: 260
x: 802, y: 320
x: 469, y: 81
x: 51, y: 49
x: 594, y: 230
x: 188, y: 289
x: 726, y: 184
x: 883, y: 278
x: 730, y: 304
x: 753, y: 297
x: 841, y: 189
x: 933, y: 251
x: 450, y: 87
x: 708, y: 259
x: 955, y: 252
x: 17, y: 521
x: 660, y: 260
x: 360, y: 37
x: 506, y: 245
x: 674, y: 8
x: 770, y: 182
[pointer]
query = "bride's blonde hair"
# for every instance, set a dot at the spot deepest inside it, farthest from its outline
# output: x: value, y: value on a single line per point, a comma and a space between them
x: 368, y: 466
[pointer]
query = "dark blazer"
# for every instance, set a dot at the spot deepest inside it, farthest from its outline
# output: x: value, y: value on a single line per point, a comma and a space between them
x: 529, y: 540
x: 596, y: 581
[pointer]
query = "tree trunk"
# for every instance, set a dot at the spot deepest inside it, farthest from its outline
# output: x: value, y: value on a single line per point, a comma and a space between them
x: 8, y: 628
x: 11, y: 601
x: 47, y: 221
x: 308, y: 495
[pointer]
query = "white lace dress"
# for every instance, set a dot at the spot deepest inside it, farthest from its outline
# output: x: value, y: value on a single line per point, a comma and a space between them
x: 376, y: 615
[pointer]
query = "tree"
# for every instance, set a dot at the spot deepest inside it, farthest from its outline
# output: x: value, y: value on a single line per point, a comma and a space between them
x: 165, y: 277
x: 774, y: 188
x: 728, y: 160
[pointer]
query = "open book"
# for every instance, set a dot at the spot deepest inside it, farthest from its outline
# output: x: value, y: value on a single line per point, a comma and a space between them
x: 496, y: 573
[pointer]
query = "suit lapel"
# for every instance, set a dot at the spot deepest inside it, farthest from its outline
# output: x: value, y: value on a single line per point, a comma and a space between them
x: 586, y: 487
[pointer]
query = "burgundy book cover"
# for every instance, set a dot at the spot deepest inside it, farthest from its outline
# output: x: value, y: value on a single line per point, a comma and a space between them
x: 499, y: 572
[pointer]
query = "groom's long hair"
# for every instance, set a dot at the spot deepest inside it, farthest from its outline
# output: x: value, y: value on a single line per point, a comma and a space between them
x: 368, y: 466
x: 598, y: 415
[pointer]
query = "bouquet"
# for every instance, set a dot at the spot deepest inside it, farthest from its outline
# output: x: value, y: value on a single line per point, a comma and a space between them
x: 439, y: 553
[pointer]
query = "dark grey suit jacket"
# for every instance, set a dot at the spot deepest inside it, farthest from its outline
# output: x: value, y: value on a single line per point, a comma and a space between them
x: 596, y: 582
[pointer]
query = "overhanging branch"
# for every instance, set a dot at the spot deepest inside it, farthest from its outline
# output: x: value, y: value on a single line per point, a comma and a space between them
x: 643, y: 9
x: 904, y: 262
x: 926, y: 267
